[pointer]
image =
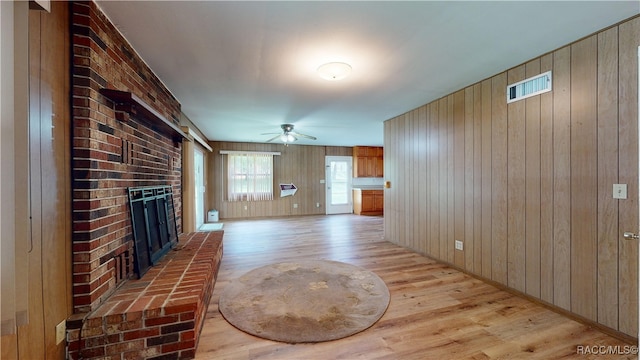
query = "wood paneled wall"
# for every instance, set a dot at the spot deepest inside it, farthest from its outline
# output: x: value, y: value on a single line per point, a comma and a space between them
x: 302, y: 165
x: 528, y: 186
x: 42, y: 187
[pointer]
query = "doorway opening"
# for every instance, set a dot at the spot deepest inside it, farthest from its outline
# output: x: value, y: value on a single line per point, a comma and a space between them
x: 339, y: 176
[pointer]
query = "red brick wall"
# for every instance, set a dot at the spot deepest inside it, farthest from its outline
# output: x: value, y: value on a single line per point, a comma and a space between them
x: 110, y: 155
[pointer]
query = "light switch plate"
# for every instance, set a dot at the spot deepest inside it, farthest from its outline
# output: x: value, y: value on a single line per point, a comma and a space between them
x: 61, y: 332
x: 619, y: 191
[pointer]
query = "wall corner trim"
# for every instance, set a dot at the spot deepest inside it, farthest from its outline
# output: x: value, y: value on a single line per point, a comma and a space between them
x: 193, y: 136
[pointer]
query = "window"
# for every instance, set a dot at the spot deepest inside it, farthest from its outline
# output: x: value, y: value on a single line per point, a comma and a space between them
x: 250, y: 176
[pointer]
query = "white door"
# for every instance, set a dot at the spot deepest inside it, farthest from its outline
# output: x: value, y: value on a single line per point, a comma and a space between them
x: 338, y: 177
x: 198, y: 169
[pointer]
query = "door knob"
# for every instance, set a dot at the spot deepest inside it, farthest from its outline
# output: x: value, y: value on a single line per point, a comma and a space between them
x: 631, y: 236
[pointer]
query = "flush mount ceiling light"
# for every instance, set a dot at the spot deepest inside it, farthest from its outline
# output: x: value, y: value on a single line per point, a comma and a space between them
x: 334, y: 71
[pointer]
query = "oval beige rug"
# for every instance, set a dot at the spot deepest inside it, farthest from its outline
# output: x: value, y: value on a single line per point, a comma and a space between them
x: 307, y: 301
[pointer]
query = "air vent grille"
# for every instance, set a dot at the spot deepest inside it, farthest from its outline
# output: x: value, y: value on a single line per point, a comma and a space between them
x: 529, y: 87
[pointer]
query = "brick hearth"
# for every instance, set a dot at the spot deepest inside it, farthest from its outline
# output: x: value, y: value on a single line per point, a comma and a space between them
x: 159, y: 315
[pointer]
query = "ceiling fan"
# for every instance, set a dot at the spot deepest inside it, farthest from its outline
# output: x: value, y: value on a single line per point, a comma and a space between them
x: 288, y: 135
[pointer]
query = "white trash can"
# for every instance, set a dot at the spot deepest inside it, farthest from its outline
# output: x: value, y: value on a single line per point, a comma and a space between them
x: 212, y: 216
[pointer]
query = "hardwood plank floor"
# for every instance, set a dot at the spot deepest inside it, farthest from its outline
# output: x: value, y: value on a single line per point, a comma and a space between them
x: 435, y: 312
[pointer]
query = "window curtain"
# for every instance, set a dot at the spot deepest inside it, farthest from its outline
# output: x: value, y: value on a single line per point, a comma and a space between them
x: 250, y: 177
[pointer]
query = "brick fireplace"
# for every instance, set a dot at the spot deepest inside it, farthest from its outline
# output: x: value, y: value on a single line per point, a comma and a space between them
x: 126, y: 135
x: 114, y: 148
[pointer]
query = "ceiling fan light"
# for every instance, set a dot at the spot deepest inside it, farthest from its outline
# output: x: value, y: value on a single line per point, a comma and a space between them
x: 334, y: 71
x: 287, y: 138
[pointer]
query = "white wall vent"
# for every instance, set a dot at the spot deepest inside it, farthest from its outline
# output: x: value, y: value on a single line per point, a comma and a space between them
x: 529, y: 87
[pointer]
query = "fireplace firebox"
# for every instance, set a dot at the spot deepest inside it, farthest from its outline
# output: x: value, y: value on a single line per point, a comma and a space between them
x: 154, y: 225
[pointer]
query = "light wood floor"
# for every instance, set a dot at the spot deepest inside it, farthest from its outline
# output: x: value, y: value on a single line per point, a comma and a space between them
x: 435, y: 312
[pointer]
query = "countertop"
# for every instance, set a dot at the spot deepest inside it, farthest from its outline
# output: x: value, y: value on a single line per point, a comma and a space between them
x: 368, y: 187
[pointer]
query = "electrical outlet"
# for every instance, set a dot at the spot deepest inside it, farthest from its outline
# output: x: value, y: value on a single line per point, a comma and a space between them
x: 317, y: 205
x: 245, y: 207
x: 619, y: 191
x: 295, y: 206
x: 459, y: 245
x: 61, y: 332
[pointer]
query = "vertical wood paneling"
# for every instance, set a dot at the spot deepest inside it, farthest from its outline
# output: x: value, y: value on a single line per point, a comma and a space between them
x: 408, y: 180
x: 477, y: 179
x: 607, y: 249
x: 434, y: 150
x: 458, y: 209
x: 562, y: 178
x: 15, y: 149
x: 48, y: 261
x: 516, y: 191
x: 452, y: 180
x: 188, y: 188
x: 303, y: 165
x: 584, y: 179
x: 33, y: 328
x: 397, y: 200
x: 389, y: 173
x: 528, y: 186
x: 487, y: 166
x: 414, y: 186
x: 532, y: 187
x: 408, y: 189
x: 629, y: 39
x: 397, y: 166
x: 422, y: 180
x: 499, y: 213
x: 404, y: 225
x: 10, y: 257
x: 469, y: 244
x: 546, y: 188
x: 443, y: 150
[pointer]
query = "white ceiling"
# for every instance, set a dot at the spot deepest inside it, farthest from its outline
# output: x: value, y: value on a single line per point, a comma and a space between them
x: 241, y: 68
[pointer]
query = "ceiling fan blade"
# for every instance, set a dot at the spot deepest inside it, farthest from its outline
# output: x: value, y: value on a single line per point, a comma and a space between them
x: 273, y: 138
x: 287, y: 130
x: 303, y: 135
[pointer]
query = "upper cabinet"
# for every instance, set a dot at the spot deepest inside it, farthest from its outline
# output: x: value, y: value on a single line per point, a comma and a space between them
x: 368, y: 161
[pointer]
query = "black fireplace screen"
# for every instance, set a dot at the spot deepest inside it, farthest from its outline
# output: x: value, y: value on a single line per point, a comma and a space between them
x: 154, y: 225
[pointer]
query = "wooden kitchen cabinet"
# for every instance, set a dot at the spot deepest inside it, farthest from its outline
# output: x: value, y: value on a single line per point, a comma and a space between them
x: 379, y: 167
x: 368, y: 202
x: 368, y: 161
x: 378, y: 201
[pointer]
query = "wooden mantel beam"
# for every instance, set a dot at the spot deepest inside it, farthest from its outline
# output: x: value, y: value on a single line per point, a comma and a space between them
x: 133, y: 104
